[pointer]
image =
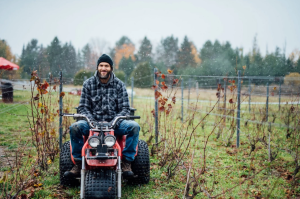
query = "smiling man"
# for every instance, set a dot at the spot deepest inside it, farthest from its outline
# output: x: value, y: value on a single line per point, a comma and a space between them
x: 104, y: 97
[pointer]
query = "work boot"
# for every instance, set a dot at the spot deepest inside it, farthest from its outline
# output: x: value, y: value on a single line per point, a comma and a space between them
x: 126, y: 168
x: 75, y: 171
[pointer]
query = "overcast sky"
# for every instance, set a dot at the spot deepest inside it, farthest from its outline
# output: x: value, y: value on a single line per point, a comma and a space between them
x: 237, y: 21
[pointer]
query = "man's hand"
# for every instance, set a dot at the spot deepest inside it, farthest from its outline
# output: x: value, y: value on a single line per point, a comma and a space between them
x: 94, y: 123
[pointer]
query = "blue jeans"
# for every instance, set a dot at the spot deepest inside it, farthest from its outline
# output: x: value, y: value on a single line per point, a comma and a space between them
x: 126, y: 127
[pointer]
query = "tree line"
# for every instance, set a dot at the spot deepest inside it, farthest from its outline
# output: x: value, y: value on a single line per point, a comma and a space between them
x: 213, y: 58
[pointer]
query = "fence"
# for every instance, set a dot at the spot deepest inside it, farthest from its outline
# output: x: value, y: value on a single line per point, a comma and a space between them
x: 244, y: 84
x: 249, y: 91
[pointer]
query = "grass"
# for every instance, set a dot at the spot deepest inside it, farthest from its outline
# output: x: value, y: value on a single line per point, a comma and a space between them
x: 226, y: 166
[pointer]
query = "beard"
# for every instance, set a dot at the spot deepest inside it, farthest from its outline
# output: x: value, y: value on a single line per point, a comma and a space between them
x: 105, y: 76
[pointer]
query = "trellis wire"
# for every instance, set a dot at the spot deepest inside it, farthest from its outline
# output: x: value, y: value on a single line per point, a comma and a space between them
x: 208, y: 84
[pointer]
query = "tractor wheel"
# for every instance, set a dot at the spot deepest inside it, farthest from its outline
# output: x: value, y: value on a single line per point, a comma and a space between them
x: 141, y: 165
x: 100, y: 184
x: 66, y: 164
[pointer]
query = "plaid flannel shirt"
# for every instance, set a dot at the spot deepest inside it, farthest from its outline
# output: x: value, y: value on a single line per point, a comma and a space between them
x: 103, y: 102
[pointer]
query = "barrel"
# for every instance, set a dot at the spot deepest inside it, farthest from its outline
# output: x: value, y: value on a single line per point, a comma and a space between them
x: 7, y: 92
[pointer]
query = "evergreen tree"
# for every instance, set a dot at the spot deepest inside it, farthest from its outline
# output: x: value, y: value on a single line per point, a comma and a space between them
x: 3, y: 47
x: 185, y: 57
x: 167, y: 52
x: 218, y: 59
x: 69, y: 60
x: 127, y: 66
x: 144, y: 53
x: 79, y: 61
x: 55, y: 57
x: 141, y: 74
x: 122, y: 41
x: 274, y: 64
x: 297, y: 69
x: 88, y: 61
x: 254, y: 67
x: 42, y: 62
x: 29, y: 58
x: 112, y: 53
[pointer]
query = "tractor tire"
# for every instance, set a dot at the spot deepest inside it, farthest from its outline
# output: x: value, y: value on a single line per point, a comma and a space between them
x: 66, y: 164
x: 141, y: 165
x: 100, y: 184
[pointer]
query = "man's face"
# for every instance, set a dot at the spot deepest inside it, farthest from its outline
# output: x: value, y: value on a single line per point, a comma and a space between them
x: 104, y: 69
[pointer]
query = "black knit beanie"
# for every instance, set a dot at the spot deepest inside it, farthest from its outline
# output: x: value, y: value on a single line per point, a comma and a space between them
x: 107, y: 59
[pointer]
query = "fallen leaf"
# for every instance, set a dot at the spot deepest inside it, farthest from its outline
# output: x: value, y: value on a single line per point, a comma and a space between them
x: 244, y: 176
x: 38, y: 185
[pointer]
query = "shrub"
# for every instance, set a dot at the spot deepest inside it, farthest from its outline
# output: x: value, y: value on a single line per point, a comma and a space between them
x: 292, y: 79
x: 121, y: 75
x: 80, y: 76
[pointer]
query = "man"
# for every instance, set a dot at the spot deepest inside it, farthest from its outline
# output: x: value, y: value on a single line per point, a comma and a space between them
x: 104, y: 97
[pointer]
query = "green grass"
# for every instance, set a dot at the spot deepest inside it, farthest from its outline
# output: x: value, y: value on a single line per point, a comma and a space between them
x: 225, y: 167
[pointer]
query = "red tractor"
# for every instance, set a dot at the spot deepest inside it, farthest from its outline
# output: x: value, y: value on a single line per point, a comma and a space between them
x: 101, y: 174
